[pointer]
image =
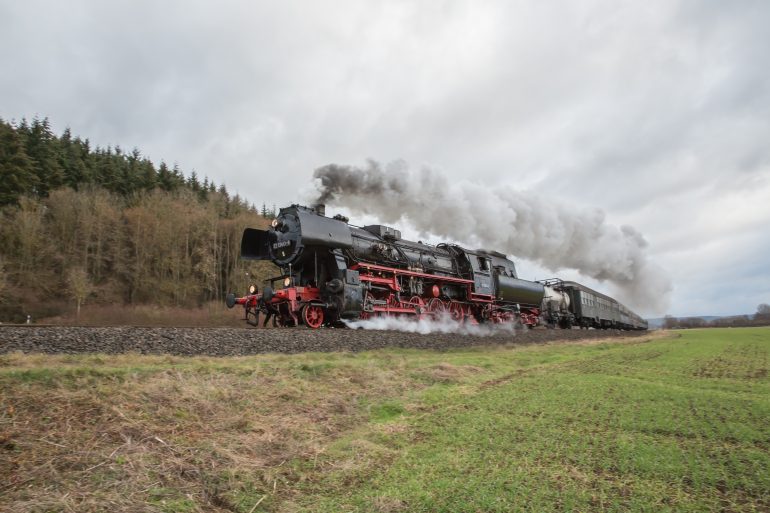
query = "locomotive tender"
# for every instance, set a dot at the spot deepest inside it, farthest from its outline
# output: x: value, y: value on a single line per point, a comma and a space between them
x: 333, y: 271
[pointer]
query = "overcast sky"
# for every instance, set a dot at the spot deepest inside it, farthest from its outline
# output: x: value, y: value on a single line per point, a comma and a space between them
x: 656, y: 112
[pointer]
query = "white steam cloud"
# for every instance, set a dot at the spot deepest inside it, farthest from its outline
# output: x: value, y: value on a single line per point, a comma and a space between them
x: 425, y: 326
x: 504, y: 219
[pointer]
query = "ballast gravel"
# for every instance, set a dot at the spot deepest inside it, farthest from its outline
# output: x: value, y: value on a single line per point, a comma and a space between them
x: 248, y: 341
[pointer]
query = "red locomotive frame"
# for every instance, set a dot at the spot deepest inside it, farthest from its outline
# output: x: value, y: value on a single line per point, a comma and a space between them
x: 296, y: 305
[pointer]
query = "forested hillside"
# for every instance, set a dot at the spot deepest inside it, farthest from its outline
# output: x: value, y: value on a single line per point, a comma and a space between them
x: 96, y: 226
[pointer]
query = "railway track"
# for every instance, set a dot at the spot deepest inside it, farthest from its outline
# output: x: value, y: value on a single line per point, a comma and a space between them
x: 240, y: 342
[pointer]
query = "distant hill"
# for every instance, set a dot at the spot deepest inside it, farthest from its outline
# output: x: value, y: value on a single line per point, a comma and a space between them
x: 688, y: 321
x: 657, y: 322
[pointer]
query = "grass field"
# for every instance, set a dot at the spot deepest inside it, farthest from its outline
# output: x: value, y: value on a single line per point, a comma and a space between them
x: 668, y: 422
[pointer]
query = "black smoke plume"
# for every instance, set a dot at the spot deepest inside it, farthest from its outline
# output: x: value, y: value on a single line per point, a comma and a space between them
x: 504, y: 219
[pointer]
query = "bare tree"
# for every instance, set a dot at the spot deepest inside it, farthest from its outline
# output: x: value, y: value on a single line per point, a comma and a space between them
x: 763, y: 314
x: 670, y: 322
x: 692, y: 322
x: 3, y: 279
x: 29, y: 247
x: 79, y: 286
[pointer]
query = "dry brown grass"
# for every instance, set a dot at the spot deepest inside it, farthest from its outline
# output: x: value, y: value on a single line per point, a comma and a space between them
x: 213, y: 314
x: 144, y: 433
x: 389, y: 505
x: 447, y: 373
x: 642, y: 339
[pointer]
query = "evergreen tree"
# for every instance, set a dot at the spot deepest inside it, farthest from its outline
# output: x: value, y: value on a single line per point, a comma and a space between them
x: 178, y: 176
x: 43, y: 148
x: 204, y: 189
x: 148, y: 177
x: 193, y: 182
x: 86, y: 155
x: 17, y: 174
x: 121, y: 183
x: 166, y: 180
x: 130, y: 176
x: 71, y: 160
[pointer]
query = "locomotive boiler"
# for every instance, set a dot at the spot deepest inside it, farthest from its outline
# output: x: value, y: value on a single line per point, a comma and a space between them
x: 332, y: 271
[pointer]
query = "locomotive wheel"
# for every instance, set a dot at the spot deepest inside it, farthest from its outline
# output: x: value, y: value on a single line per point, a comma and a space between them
x: 436, y: 307
x: 419, y: 306
x: 312, y: 316
x: 456, y: 311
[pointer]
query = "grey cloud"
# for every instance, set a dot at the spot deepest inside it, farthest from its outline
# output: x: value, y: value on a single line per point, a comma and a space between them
x: 652, y: 112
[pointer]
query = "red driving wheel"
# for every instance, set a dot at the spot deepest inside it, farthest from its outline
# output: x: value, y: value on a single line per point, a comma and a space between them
x: 312, y: 316
x: 436, y: 306
x: 456, y: 311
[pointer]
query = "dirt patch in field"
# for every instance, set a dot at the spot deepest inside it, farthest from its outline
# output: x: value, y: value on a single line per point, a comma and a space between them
x: 734, y: 366
x: 448, y: 373
x: 503, y: 379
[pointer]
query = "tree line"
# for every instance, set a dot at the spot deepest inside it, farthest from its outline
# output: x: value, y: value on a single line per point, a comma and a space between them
x: 98, y: 224
x: 760, y: 318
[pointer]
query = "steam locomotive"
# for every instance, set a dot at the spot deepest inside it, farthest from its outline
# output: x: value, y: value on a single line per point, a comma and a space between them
x: 332, y: 271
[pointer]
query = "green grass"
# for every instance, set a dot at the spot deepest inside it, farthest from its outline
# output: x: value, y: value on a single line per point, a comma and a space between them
x: 664, y: 422
x: 668, y: 425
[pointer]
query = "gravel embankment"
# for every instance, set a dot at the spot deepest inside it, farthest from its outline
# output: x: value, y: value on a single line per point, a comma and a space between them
x: 236, y: 341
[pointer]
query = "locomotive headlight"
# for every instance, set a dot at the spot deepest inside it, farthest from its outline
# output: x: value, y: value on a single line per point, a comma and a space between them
x: 286, y: 281
x: 252, y: 289
x: 274, y: 223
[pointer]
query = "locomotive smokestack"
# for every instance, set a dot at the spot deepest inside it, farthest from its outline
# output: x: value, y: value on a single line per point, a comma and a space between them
x: 518, y: 223
x: 320, y: 209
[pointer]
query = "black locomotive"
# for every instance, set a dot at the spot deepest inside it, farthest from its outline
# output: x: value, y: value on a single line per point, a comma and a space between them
x: 333, y: 271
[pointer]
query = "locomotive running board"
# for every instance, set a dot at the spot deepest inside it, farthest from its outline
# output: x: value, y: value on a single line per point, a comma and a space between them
x: 402, y: 272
